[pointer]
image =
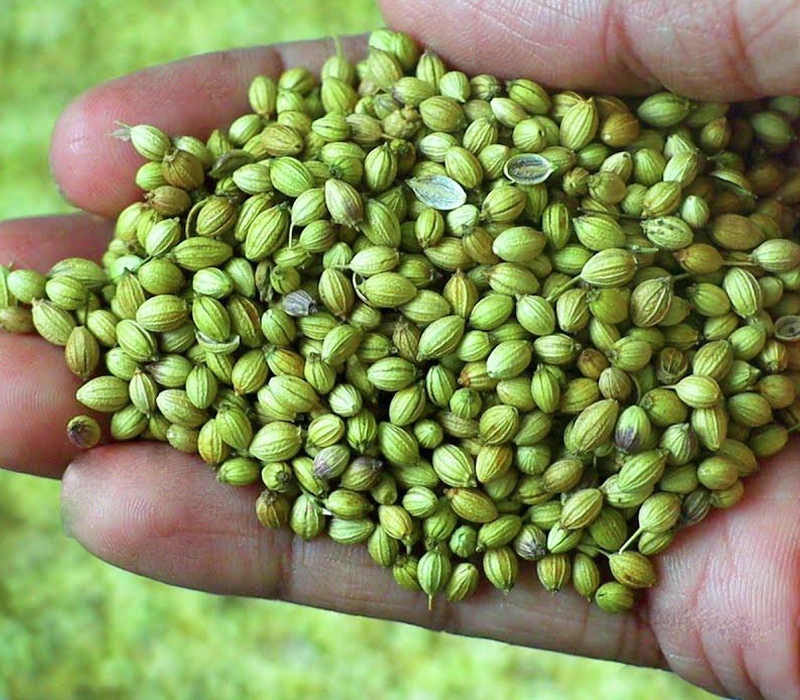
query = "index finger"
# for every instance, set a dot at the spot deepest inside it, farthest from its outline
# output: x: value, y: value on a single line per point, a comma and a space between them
x: 193, y: 96
x: 162, y: 514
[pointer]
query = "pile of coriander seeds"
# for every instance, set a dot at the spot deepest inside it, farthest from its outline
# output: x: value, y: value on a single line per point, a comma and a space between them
x: 484, y: 329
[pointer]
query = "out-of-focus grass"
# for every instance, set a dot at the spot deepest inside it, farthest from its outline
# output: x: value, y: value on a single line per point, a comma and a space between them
x: 74, y: 628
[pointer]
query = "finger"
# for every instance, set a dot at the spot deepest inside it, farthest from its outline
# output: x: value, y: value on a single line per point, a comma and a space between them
x: 708, y: 49
x: 37, y: 401
x: 162, y: 514
x: 194, y: 96
x: 39, y: 242
x: 726, y: 608
x: 38, y: 392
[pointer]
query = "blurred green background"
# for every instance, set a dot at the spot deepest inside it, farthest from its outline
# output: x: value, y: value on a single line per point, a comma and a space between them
x: 74, y: 628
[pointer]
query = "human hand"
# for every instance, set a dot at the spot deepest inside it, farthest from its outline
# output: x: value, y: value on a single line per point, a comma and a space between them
x: 725, y: 612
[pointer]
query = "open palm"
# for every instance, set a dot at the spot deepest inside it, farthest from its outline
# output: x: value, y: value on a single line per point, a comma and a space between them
x: 726, y: 612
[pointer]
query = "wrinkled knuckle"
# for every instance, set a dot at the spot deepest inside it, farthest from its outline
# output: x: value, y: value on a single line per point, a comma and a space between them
x: 281, y: 548
x: 620, y: 48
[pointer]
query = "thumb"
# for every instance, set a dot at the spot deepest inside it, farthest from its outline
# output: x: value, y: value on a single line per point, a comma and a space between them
x: 706, y: 49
